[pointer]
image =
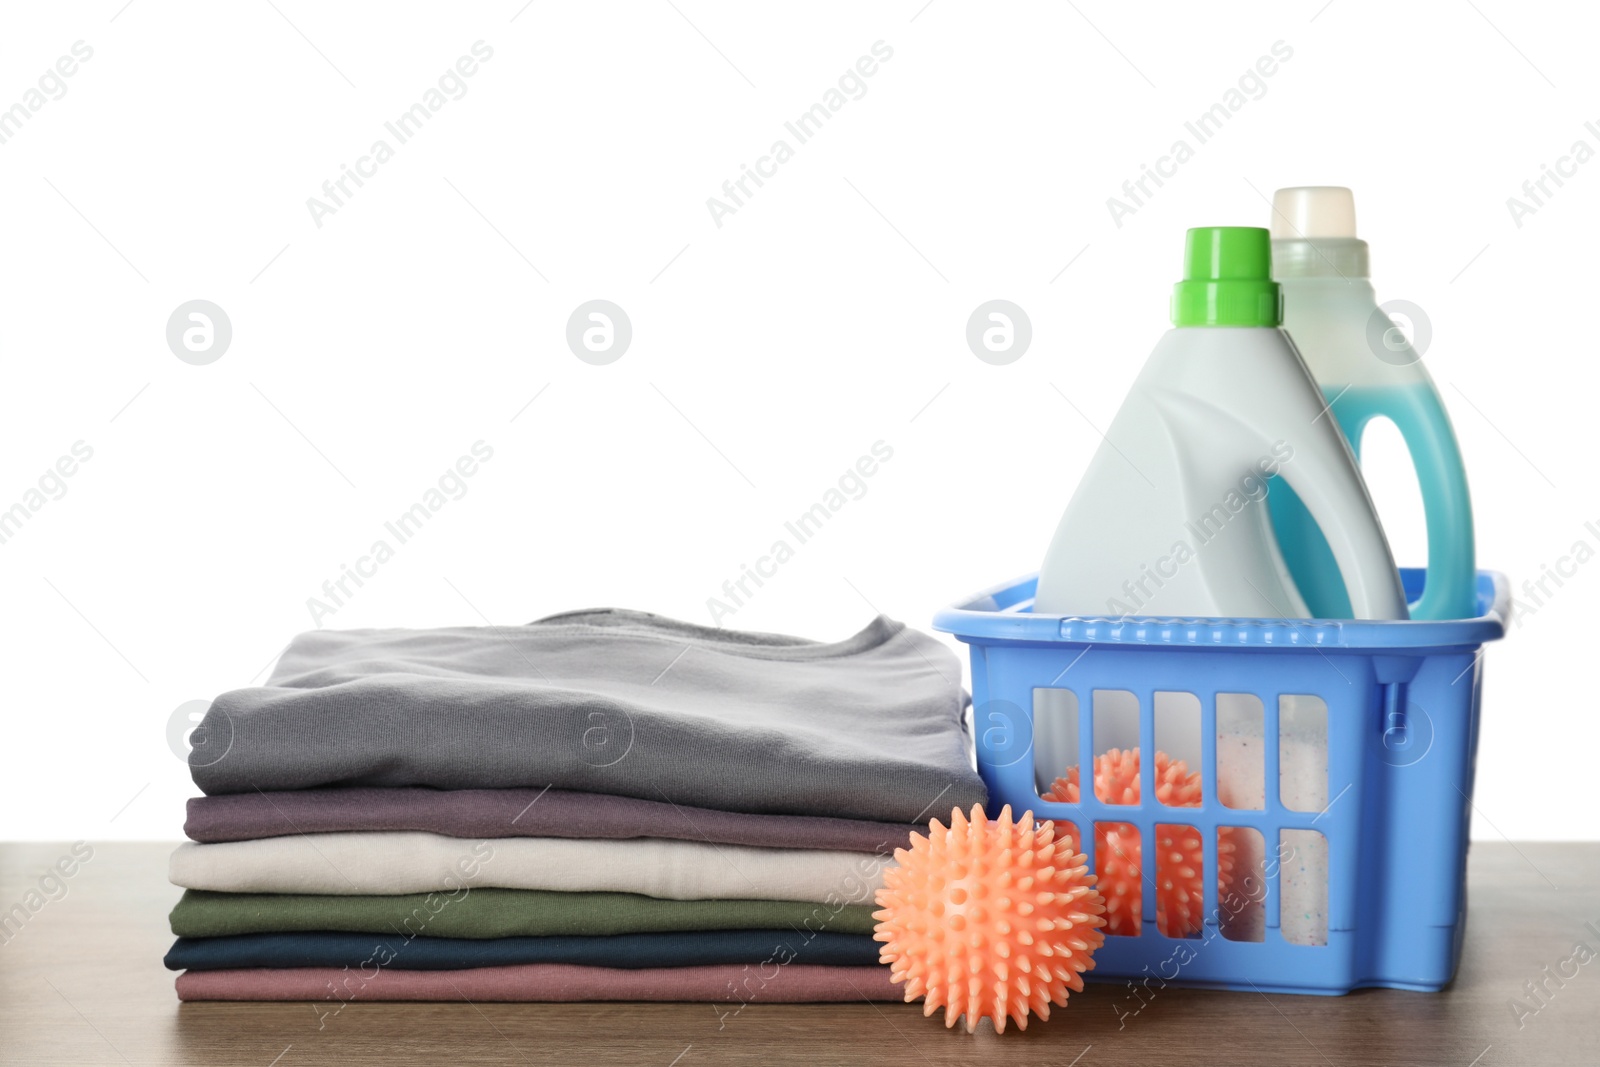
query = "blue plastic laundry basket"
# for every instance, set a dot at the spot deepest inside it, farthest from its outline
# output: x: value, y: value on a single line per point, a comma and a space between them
x: 1402, y: 729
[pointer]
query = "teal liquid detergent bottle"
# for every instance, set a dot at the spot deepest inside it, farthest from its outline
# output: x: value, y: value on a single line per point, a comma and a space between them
x: 1170, y: 518
x: 1366, y: 369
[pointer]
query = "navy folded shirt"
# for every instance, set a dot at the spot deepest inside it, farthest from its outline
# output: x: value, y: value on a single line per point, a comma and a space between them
x: 367, y: 951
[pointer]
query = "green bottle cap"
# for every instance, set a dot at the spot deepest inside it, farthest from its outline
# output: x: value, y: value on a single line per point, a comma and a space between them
x: 1227, y: 279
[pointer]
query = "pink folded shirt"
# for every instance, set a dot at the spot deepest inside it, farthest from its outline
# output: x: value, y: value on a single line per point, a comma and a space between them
x: 772, y: 982
x: 489, y: 813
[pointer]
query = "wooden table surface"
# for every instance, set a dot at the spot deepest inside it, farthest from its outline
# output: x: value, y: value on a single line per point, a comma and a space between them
x: 81, y: 982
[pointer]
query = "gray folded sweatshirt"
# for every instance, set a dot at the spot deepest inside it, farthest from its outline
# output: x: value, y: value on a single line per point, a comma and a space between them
x: 609, y: 701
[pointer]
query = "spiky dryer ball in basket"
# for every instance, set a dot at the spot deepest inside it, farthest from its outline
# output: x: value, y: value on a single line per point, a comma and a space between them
x: 989, y: 918
x: 1177, y: 877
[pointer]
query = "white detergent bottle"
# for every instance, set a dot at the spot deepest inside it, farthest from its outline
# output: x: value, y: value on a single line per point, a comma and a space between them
x: 1170, y: 518
x: 1367, y: 369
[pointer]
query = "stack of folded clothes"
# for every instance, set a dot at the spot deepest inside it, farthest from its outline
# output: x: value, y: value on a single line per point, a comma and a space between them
x: 602, y: 805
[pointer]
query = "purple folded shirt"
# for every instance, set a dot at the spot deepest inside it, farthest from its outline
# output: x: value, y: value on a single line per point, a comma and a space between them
x: 771, y: 983
x: 490, y: 813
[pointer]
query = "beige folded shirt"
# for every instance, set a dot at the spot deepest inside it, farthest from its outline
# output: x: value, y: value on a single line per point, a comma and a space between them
x: 382, y: 863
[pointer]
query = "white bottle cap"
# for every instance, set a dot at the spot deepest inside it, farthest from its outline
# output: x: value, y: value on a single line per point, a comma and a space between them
x: 1310, y: 211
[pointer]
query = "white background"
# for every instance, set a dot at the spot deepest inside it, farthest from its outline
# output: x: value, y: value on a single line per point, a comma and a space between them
x: 827, y: 314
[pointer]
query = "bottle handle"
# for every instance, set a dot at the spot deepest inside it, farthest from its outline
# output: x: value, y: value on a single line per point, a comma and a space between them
x: 1320, y: 477
x: 1450, y: 589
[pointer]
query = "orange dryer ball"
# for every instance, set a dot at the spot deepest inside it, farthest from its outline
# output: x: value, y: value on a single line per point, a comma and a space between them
x: 989, y: 918
x: 1180, y: 892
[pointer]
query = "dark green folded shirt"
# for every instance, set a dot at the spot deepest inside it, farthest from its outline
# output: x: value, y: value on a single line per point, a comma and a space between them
x: 480, y: 913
